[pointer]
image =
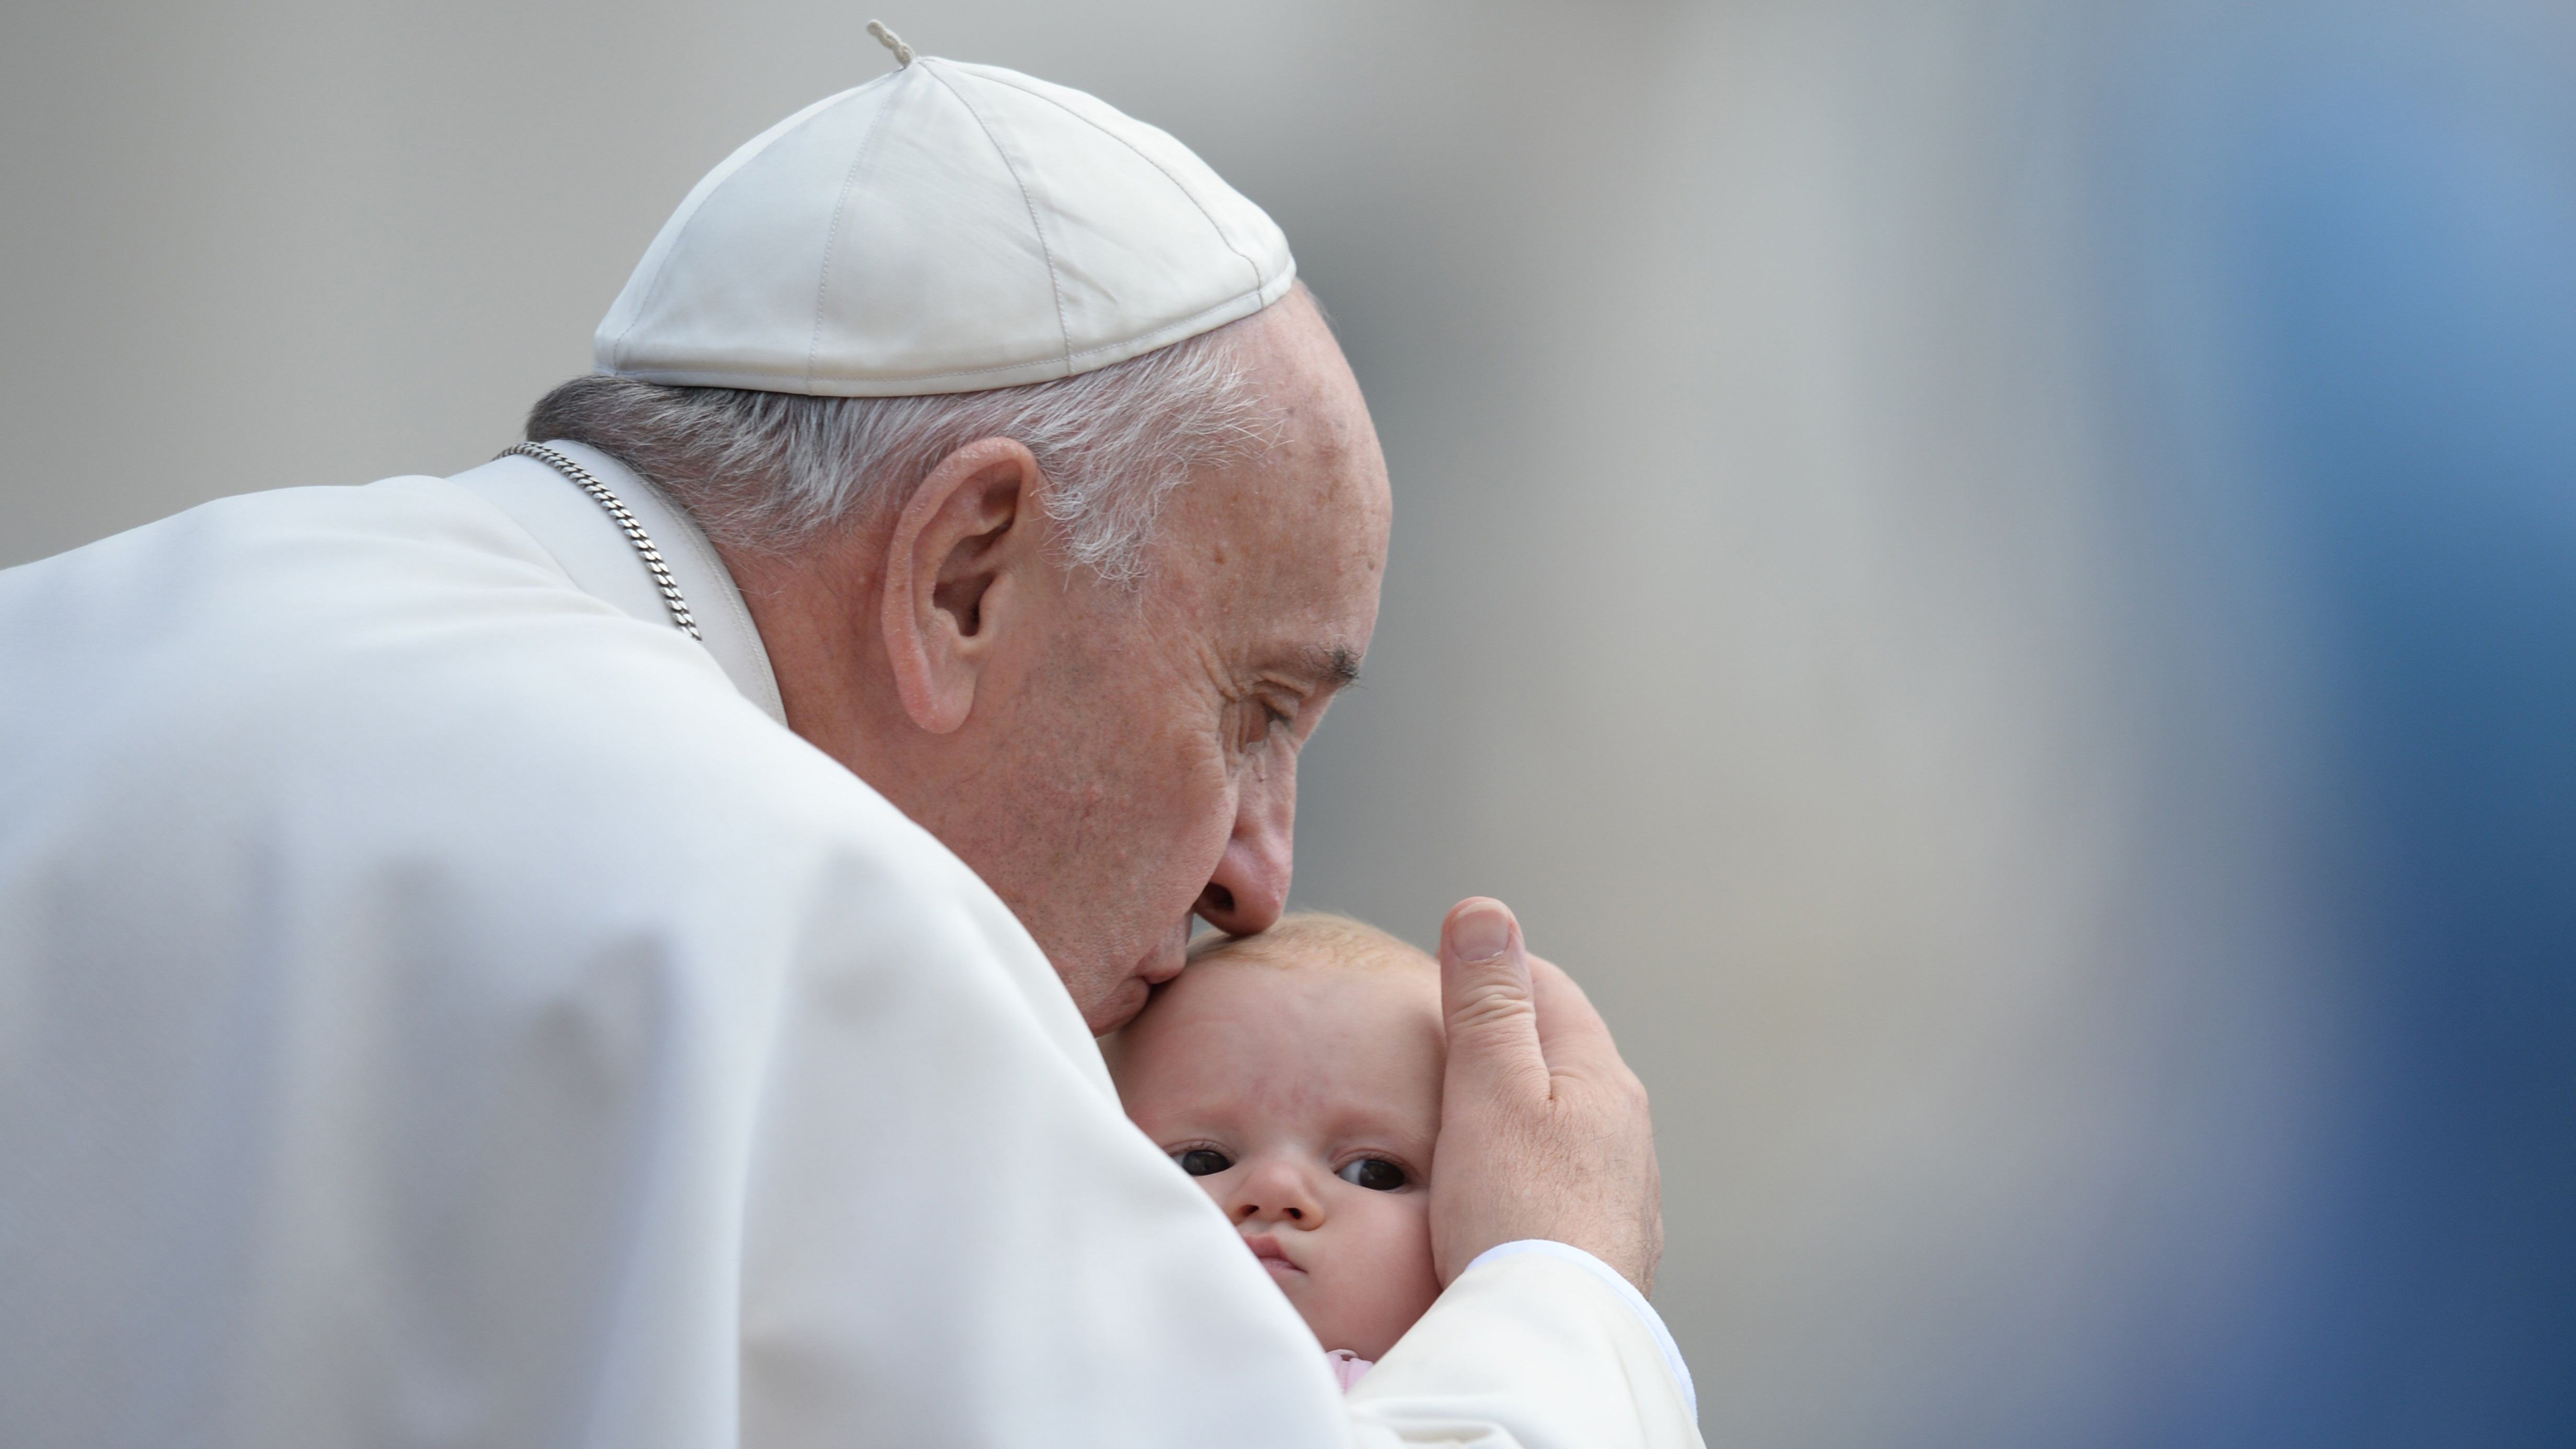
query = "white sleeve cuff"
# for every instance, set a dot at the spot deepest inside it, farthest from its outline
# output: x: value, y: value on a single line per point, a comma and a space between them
x: 1626, y: 1290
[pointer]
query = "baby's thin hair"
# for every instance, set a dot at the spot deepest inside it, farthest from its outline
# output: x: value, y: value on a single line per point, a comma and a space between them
x: 1284, y: 946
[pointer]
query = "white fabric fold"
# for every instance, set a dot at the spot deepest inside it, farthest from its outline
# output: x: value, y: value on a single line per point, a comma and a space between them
x: 1536, y: 1348
x: 1619, y: 1286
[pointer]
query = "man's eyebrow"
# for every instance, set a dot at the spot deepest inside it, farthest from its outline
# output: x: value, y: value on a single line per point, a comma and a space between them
x: 1331, y: 666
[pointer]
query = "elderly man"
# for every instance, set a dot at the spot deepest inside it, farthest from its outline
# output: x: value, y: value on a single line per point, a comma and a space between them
x: 605, y: 948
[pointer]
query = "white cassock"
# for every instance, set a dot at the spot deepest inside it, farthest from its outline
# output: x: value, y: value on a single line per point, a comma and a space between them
x: 440, y: 1003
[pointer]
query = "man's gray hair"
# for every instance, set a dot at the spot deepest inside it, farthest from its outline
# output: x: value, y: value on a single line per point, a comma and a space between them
x: 771, y: 471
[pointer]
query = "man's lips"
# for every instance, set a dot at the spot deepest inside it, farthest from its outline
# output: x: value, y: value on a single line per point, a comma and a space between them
x: 1272, y: 1256
x: 1128, y: 998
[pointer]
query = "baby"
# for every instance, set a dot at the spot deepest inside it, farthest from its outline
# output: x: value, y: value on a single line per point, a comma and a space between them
x: 1296, y: 1075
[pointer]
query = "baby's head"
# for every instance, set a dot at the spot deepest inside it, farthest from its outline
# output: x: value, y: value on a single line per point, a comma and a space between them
x: 1296, y: 1075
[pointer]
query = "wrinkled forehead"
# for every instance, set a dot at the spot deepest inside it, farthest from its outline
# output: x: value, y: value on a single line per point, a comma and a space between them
x: 1295, y: 528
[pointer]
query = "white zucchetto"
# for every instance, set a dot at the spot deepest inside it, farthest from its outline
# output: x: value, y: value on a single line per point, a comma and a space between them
x: 943, y: 228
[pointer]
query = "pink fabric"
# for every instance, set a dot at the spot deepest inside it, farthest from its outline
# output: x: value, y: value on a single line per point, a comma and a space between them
x: 1347, y: 1367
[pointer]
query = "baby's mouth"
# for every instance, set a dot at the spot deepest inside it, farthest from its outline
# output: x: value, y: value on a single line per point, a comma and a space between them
x: 1272, y: 1256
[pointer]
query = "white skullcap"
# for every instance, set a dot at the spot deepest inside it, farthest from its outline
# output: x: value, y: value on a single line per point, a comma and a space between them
x: 944, y: 228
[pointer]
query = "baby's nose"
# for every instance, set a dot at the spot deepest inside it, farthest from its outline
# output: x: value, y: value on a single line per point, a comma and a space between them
x: 1275, y: 1193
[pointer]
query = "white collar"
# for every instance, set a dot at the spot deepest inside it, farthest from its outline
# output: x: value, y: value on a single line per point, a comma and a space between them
x: 602, y: 562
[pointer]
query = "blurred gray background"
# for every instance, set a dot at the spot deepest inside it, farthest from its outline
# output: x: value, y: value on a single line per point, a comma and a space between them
x: 1835, y: 595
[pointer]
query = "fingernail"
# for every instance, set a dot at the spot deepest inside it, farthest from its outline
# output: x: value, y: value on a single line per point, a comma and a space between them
x: 1483, y: 934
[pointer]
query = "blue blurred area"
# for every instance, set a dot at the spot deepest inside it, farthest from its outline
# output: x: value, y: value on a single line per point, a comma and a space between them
x: 2349, y: 241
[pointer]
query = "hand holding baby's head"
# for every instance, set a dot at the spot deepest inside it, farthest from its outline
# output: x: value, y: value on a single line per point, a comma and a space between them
x: 1296, y: 1075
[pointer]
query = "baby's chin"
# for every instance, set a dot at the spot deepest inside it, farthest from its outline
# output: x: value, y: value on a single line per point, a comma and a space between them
x: 1367, y: 1345
x: 1368, y: 1330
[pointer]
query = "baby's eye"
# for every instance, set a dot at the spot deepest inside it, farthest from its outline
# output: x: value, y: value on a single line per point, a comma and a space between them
x: 1374, y: 1173
x: 1202, y: 1161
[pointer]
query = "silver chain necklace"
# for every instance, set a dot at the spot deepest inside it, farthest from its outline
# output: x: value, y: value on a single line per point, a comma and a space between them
x: 626, y: 520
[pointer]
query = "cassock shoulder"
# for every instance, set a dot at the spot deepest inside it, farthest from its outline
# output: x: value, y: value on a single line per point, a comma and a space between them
x: 397, y: 679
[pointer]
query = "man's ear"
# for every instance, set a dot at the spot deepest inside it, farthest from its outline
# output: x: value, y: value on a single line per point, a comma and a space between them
x: 947, y: 576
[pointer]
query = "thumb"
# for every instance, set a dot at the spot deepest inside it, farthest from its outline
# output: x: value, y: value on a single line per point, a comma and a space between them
x: 1487, y: 1005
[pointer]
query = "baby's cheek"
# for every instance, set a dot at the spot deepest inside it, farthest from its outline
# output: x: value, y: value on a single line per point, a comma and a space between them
x: 1385, y: 1280
x: 1214, y: 1184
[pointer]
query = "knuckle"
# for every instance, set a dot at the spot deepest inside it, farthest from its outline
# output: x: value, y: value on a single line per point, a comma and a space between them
x: 1492, y: 1008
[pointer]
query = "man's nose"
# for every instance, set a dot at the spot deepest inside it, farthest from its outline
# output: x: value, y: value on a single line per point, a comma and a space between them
x: 1250, y: 886
x: 1276, y: 1190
